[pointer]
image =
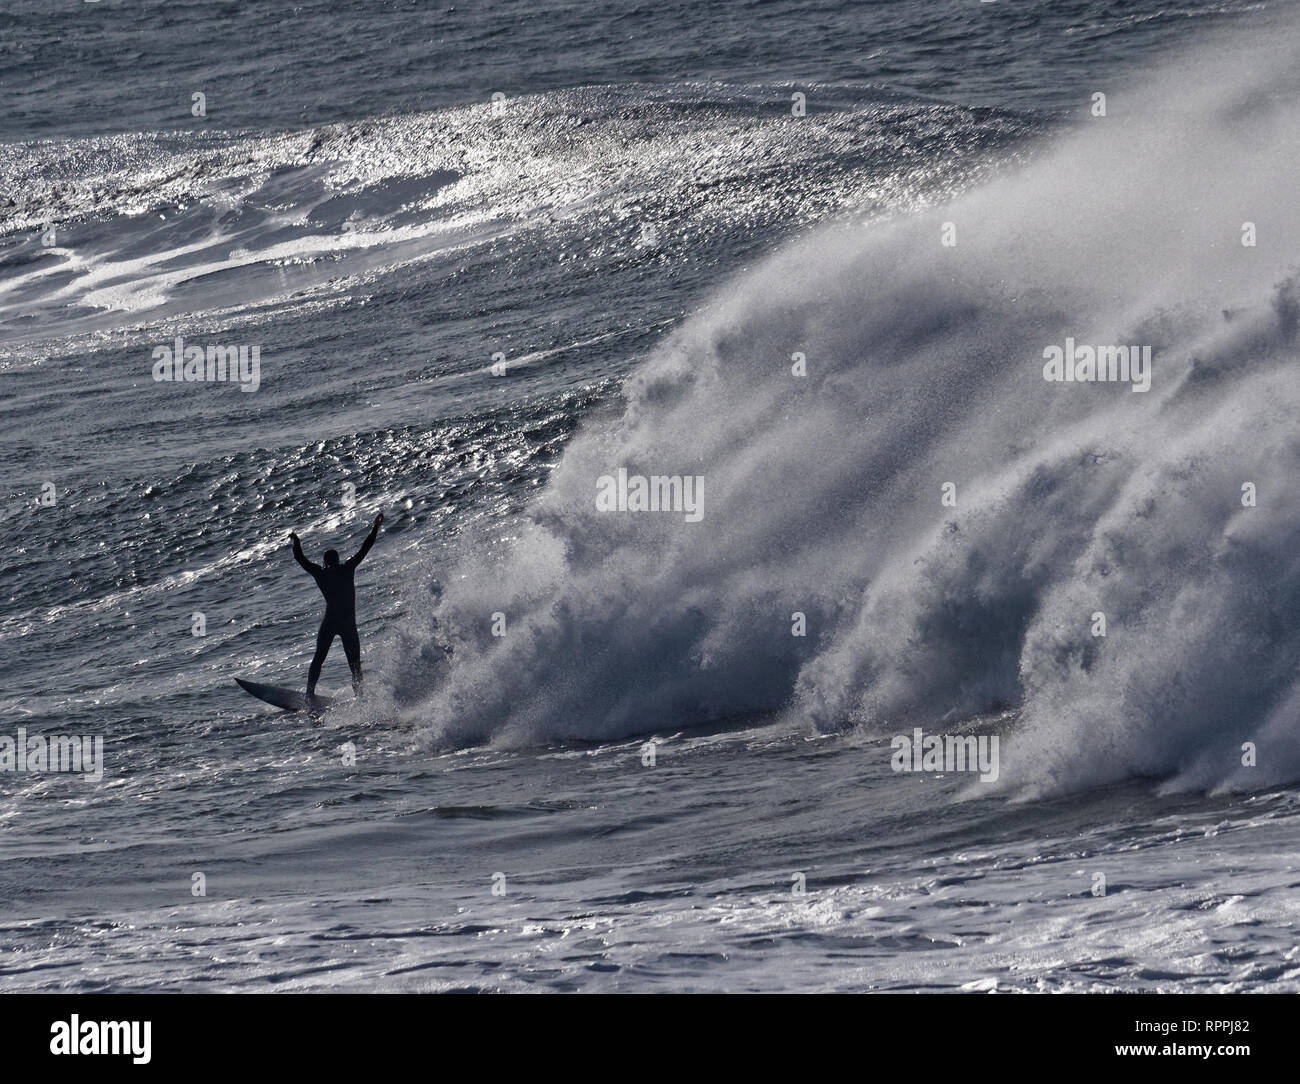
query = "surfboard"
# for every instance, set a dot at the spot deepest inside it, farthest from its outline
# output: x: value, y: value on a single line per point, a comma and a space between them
x: 286, y: 698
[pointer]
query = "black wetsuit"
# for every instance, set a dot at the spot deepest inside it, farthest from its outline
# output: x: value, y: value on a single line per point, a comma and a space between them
x: 340, y: 618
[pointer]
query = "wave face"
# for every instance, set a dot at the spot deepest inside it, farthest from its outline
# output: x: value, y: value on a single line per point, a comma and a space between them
x: 924, y: 366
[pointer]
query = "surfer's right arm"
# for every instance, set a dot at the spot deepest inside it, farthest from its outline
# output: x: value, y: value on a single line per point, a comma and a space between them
x: 357, y: 557
x: 299, y: 557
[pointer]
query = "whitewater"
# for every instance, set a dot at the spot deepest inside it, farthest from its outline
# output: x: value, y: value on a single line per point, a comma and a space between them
x: 924, y: 368
x: 611, y: 749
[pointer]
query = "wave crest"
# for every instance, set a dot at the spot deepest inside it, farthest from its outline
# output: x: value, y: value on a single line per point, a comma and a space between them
x: 925, y: 368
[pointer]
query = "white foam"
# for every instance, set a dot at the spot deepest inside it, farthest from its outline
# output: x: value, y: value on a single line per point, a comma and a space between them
x: 925, y: 367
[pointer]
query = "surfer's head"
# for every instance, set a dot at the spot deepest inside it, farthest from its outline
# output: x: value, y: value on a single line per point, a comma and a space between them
x: 331, y: 558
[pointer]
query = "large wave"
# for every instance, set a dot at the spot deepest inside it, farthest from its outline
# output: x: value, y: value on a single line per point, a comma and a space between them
x: 924, y: 369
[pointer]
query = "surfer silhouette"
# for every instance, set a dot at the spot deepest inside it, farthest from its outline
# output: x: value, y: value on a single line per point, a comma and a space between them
x: 340, y: 617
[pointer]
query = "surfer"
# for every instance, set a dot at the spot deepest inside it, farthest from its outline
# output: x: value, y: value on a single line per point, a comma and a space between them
x: 340, y: 618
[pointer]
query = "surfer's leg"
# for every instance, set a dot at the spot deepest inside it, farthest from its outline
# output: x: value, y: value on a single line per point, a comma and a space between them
x: 352, y: 649
x: 324, y: 637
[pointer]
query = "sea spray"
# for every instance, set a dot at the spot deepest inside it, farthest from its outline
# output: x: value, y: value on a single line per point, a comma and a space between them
x: 946, y: 521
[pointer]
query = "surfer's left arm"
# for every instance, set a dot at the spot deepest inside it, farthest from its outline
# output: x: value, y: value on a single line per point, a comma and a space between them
x: 299, y: 556
x: 370, y: 541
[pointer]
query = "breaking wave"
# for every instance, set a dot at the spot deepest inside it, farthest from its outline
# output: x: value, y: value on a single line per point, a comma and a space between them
x: 824, y: 493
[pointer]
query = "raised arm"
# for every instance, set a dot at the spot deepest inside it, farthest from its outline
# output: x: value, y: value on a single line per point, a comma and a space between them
x: 357, y: 557
x: 300, y: 558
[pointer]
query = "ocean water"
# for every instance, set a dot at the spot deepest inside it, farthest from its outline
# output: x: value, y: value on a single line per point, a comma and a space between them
x: 490, y: 254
